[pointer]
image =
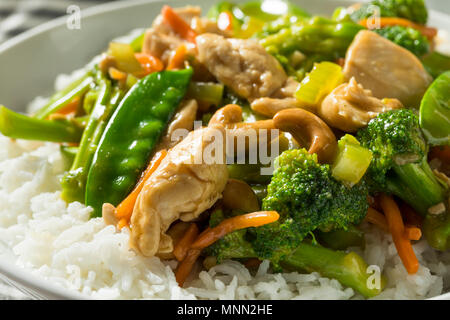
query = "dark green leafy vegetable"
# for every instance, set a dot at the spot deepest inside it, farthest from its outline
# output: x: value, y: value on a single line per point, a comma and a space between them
x: 341, y: 239
x: 414, y: 10
x: 19, y: 126
x: 131, y: 134
x: 434, y: 115
x: 407, y: 38
x: 399, y: 165
x: 62, y: 98
x: 436, y: 63
x: 74, y: 181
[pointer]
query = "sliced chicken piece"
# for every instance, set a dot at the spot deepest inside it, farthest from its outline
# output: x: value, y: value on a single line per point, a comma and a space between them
x: 350, y: 107
x: 386, y: 69
x: 183, y: 119
x: 182, y: 187
x: 243, y: 65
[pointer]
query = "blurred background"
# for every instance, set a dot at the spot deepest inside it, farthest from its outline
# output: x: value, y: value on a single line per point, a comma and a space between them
x: 17, y: 16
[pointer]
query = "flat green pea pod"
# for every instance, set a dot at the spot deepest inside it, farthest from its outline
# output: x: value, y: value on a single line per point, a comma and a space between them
x: 434, y: 117
x: 131, y: 135
x: 19, y: 126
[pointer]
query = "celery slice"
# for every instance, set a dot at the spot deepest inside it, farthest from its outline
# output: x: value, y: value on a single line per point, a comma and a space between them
x: 351, y: 162
x: 323, y: 78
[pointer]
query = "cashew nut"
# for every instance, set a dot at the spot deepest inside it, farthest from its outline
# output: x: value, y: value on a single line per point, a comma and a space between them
x: 231, y: 113
x: 240, y: 196
x: 309, y: 129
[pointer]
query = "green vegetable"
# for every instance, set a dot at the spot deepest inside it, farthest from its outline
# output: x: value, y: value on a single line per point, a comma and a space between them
x: 68, y: 155
x: 436, y: 229
x: 131, y: 134
x: 207, y: 92
x: 250, y: 173
x: 124, y: 56
x: 19, y: 126
x: 341, y: 239
x: 414, y: 10
x: 309, y: 36
x: 434, y: 115
x: 351, y: 161
x: 73, y: 182
x: 436, y: 63
x: 307, y: 198
x: 348, y: 268
x: 324, y: 77
x: 136, y: 43
x: 62, y: 98
x: 399, y: 165
x: 409, y: 38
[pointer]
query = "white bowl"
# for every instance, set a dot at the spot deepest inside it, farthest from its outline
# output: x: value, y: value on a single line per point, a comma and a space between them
x: 30, y: 62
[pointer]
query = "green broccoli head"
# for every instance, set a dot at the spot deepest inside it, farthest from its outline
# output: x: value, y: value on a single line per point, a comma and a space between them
x: 307, y: 198
x: 399, y: 165
x: 414, y: 10
x: 394, y: 137
x: 409, y: 38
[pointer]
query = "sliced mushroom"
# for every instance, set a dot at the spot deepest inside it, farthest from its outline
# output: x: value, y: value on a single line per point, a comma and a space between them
x: 308, y: 129
x: 350, y: 107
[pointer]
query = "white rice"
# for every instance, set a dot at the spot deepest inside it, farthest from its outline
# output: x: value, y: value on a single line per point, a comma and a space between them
x: 58, y: 242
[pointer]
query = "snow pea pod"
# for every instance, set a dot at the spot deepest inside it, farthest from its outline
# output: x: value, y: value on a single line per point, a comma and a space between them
x: 74, y: 181
x: 131, y: 134
x: 434, y: 114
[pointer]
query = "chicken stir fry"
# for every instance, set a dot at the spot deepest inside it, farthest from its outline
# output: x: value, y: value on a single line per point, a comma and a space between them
x: 362, y: 125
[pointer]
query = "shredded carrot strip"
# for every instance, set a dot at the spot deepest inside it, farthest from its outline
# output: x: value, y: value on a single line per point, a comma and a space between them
x: 178, y: 24
x: 429, y: 32
x: 255, y: 219
x: 182, y: 247
x: 185, y: 267
x: 177, y: 58
x: 125, y: 208
x: 413, y: 233
x: 149, y: 63
x: 377, y: 218
x: 225, y: 21
x: 117, y: 74
x: 397, y: 229
x: 67, y: 110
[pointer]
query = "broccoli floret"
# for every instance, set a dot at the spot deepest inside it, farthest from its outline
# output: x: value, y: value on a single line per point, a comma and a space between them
x: 307, y: 198
x: 399, y: 165
x: 409, y: 38
x: 414, y: 10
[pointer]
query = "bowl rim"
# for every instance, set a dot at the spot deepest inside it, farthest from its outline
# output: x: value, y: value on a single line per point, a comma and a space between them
x: 23, y: 278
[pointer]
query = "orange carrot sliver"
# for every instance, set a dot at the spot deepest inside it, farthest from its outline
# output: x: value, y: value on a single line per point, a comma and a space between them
x: 255, y: 219
x: 68, y: 109
x: 397, y: 229
x: 149, y: 63
x: 178, y: 24
x: 377, y: 218
x: 182, y: 247
x: 125, y: 208
x: 413, y: 233
x: 185, y: 267
x: 430, y: 33
x: 176, y: 61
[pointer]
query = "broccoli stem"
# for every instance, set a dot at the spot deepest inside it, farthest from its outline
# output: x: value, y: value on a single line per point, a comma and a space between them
x: 416, y: 184
x: 19, y: 126
x: 348, y: 268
